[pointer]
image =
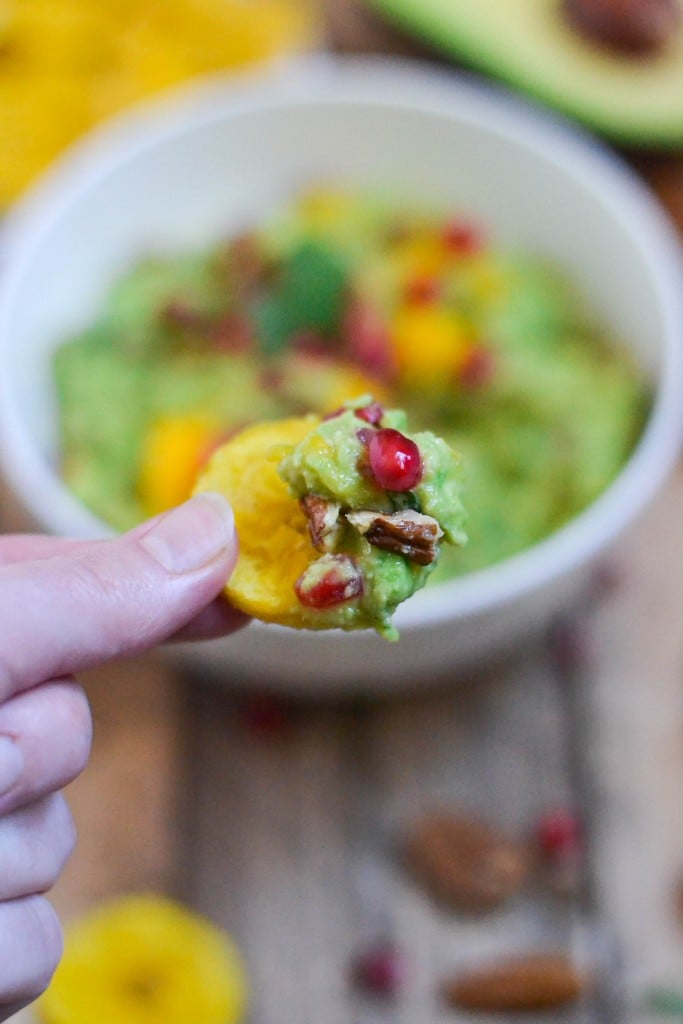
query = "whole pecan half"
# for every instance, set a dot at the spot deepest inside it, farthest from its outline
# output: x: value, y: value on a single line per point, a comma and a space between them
x: 411, y: 534
x: 464, y: 863
x: 533, y: 981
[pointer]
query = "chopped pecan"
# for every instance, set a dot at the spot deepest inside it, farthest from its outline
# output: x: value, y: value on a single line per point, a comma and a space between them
x: 324, y: 524
x: 411, y: 534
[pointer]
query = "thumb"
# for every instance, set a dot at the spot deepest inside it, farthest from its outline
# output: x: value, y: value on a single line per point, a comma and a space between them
x: 109, y: 598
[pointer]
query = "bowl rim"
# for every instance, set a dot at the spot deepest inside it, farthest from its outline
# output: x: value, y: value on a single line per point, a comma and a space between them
x: 400, y: 83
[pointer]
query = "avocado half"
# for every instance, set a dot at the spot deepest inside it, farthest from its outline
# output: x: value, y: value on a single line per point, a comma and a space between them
x: 637, y: 101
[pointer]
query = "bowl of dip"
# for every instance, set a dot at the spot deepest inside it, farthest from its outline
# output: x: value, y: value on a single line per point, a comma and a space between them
x: 524, y: 278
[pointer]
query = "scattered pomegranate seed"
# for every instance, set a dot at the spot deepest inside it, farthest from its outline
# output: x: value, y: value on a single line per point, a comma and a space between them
x: 271, y: 379
x: 310, y: 343
x: 462, y: 238
x: 265, y: 716
x: 380, y: 970
x: 559, y: 835
x: 179, y: 314
x: 422, y: 289
x: 478, y: 368
x: 330, y: 581
x: 395, y: 460
x: 371, y: 413
x: 366, y: 339
x: 232, y: 333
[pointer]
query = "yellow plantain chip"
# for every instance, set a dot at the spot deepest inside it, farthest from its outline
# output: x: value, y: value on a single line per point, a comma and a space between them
x: 275, y: 546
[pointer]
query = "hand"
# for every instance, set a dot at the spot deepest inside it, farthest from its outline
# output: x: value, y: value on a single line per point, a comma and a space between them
x: 66, y: 606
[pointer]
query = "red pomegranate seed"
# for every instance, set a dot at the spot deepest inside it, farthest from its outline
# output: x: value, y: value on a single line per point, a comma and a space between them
x: 462, y: 238
x: 478, y: 368
x: 232, y: 333
x: 331, y: 580
x: 310, y: 343
x: 558, y: 834
x: 265, y: 715
x: 366, y: 339
x: 380, y: 970
x: 395, y: 460
x: 422, y: 289
x: 371, y: 413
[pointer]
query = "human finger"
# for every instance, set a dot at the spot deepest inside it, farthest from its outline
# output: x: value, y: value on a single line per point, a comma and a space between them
x: 30, y: 948
x: 122, y: 596
x: 217, y: 619
x: 45, y: 737
x: 25, y: 547
x: 35, y: 843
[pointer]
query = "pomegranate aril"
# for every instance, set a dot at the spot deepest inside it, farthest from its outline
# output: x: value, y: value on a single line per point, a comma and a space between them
x: 330, y: 581
x: 558, y: 834
x: 371, y: 413
x: 366, y: 339
x: 422, y: 289
x: 379, y: 970
x: 477, y: 369
x: 462, y: 238
x: 394, y: 460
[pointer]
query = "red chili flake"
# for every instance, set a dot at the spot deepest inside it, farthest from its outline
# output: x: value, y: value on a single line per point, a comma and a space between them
x: 462, y: 237
x: 380, y: 970
x: 478, y: 368
x: 422, y: 289
x: 559, y: 835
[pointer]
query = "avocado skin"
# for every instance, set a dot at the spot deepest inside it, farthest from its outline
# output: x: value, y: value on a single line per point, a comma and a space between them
x: 636, y: 101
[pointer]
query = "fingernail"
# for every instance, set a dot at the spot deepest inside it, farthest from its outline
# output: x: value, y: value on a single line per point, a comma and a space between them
x: 192, y: 535
x: 11, y: 763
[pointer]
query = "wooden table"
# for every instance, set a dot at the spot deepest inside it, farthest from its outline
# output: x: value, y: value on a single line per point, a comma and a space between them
x: 282, y: 824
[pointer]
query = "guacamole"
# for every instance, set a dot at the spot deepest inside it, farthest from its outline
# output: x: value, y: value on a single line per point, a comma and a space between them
x: 340, y: 519
x: 338, y: 296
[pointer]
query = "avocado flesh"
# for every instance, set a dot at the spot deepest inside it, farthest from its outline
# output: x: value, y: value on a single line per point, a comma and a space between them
x: 529, y: 43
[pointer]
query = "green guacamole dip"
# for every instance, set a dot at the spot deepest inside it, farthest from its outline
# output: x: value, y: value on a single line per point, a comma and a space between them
x: 341, y: 295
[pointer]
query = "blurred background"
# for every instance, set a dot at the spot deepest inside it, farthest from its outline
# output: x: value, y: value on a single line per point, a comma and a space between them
x: 286, y: 822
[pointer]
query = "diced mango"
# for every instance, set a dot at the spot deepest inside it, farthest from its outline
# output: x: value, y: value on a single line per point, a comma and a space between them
x: 430, y: 343
x: 173, y: 451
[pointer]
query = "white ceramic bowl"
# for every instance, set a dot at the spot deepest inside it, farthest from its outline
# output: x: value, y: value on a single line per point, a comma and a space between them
x: 209, y: 159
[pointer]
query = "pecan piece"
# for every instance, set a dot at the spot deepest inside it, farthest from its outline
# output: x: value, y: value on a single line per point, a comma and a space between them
x: 534, y: 981
x: 638, y: 27
x: 463, y: 863
x: 411, y: 534
x: 324, y: 524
